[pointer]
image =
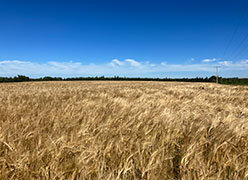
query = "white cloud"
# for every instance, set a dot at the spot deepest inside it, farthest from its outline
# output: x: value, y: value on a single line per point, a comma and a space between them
x: 126, y: 62
x: 244, y: 61
x: 11, y: 62
x: 238, y: 65
x: 225, y: 63
x: 209, y: 60
x: 163, y: 63
x: 127, y: 67
x: 117, y: 62
x: 133, y: 62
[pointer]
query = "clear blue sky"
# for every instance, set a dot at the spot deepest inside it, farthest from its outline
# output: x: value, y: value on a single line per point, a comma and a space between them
x: 152, y: 38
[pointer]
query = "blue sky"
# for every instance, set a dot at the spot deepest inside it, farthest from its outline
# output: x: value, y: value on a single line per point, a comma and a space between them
x: 145, y: 38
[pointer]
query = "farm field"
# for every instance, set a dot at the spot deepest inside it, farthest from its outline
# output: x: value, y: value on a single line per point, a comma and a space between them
x: 123, y: 130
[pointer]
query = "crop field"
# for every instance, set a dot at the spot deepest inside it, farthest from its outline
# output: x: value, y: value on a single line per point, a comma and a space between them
x: 123, y: 130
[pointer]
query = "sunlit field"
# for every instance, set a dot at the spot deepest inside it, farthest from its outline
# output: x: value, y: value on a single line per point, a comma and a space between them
x: 123, y: 130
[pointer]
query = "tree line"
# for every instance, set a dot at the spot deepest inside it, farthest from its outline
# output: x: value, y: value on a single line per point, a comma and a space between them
x: 22, y: 78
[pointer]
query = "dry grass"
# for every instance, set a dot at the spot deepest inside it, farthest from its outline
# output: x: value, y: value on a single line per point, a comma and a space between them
x: 123, y: 130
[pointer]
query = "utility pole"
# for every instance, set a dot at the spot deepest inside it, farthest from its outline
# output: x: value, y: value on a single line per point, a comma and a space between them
x: 217, y: 74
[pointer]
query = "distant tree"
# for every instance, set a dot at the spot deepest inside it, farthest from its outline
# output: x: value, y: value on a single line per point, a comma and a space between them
x: 20, y: 78
x: 212, y: 79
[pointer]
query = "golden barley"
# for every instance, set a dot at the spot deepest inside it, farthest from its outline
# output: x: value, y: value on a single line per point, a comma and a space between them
x: 123, y: 130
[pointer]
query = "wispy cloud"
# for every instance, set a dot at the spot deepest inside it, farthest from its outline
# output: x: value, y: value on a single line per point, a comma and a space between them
x: 127, y: 67
x: 11, y: 61
x: 115, y: 62
x: 133, y: 62
x: 226, y: 63
x: 126, y: 62
x: 163, y: 63
x: 238, y: 65
x: 209, y: 60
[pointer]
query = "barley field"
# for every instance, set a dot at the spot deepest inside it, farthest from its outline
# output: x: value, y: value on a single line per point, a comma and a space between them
x: 123, y: 130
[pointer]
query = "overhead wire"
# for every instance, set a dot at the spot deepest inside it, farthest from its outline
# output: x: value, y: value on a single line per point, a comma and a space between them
x: 234, y: 34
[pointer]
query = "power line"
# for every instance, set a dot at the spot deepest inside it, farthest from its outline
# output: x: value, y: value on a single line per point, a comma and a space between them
x: 234, y: 33
x: 238, y: 50
x: 241, y: 50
